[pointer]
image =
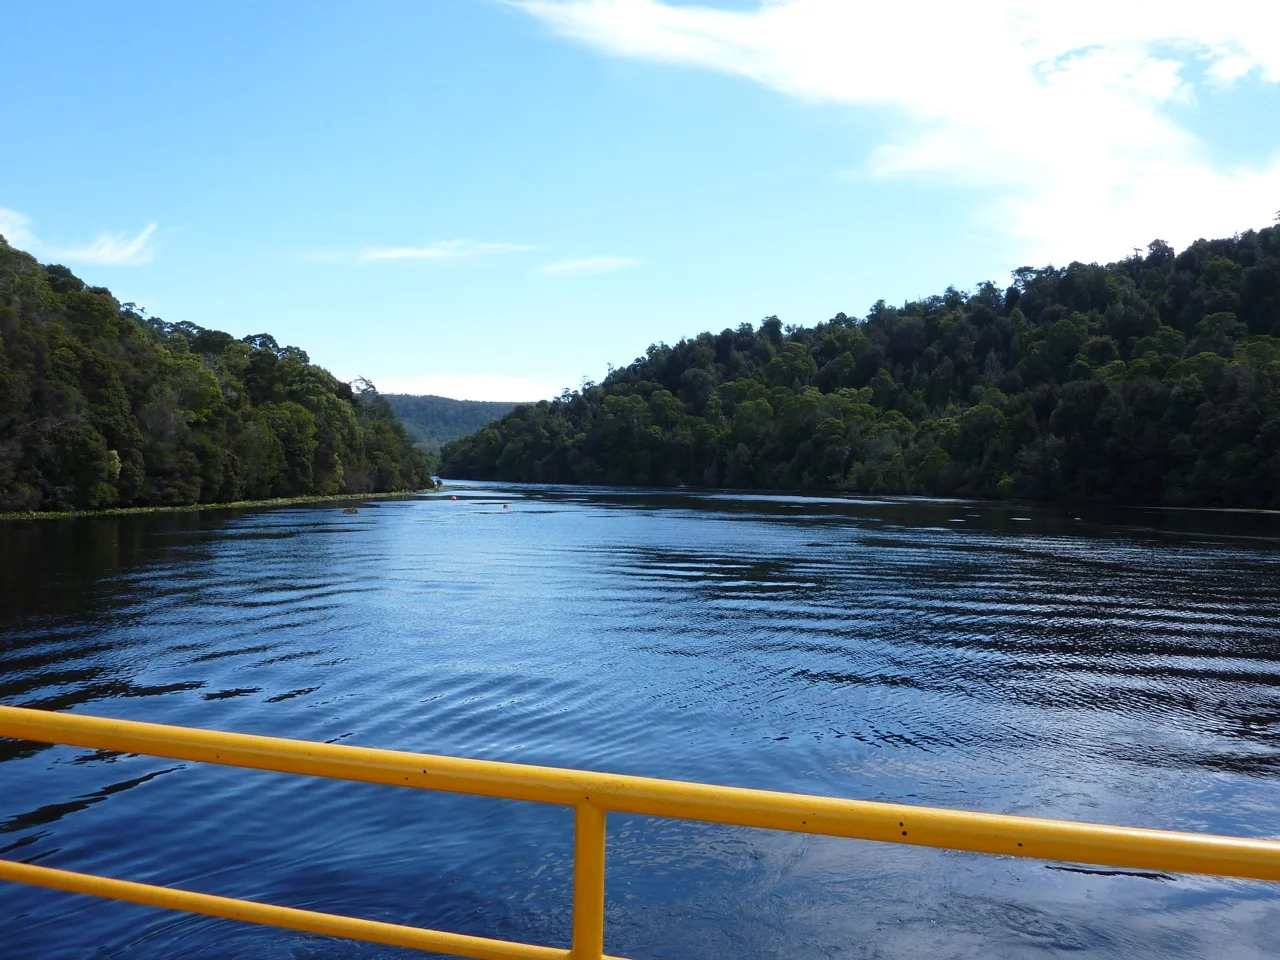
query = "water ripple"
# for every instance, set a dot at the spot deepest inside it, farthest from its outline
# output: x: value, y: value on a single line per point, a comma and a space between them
x: 1124, y: 667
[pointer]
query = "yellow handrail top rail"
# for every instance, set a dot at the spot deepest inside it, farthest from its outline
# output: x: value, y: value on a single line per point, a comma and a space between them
x: 1016, y: 836
x: 593, y: 795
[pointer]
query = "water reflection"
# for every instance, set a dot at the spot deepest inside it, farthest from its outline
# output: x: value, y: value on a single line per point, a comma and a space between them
x: 1105, y: 665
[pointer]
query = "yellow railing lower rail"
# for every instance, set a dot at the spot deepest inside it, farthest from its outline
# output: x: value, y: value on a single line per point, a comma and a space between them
x: 593, y: 795
x: 392, y: 934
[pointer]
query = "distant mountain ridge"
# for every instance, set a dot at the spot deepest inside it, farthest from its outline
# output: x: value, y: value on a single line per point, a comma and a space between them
x: 432, y: 421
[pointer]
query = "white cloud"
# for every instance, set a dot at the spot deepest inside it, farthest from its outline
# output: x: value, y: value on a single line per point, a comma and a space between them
x: 110, y: 249
x: 477, y: 387
x: 15, y: 228
x: 115, y: 249
x: 442, y: 250
x: 587, y: 265
x: 1066, y: 112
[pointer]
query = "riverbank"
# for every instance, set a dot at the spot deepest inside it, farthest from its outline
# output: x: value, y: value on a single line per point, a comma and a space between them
x: 197, y: 507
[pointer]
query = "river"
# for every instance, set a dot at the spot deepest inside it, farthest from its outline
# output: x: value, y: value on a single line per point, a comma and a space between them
x: 1116, y: 666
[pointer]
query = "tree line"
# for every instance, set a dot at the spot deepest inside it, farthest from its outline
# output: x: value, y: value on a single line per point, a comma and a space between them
x: 104, y: 406
x: 1152, y: 380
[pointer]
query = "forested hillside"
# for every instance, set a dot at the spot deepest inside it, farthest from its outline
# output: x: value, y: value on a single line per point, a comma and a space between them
x: 1152, y: 380
x: 102, y: 406
x: 431, y: 421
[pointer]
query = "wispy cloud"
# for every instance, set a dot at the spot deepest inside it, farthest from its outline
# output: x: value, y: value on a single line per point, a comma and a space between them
x: 442, y: 250
x: 16, y: 228
x: 587, y: 265
x: 1071, y: 115
x: 116, y: 249
x: 109, y: 249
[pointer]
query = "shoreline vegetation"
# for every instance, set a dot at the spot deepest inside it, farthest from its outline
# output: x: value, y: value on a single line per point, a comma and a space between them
x: 103, y: 406
x: 1150, y: 381
x: 201, y: 507
x: 444, y: 487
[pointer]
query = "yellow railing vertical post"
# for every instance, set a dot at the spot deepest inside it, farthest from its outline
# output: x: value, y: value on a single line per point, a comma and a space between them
x: 588, y: 882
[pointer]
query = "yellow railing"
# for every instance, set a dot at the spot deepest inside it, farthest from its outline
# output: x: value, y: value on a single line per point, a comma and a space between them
x: 592, y: 795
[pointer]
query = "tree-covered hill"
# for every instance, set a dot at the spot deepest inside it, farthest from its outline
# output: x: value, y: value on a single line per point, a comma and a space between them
x: 1153, y: 380
x: 102, y: 406
x: 431, y: 421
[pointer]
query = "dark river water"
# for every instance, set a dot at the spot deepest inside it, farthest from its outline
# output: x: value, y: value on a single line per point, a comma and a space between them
x: 1118, y: 666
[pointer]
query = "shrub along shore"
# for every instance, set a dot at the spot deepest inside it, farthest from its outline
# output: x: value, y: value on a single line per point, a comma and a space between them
x: 200, y: 507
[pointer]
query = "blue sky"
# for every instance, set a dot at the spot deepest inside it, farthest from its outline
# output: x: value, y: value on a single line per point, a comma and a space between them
x: 495, y: 200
